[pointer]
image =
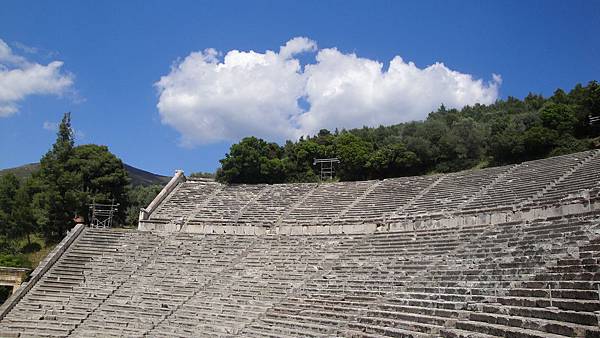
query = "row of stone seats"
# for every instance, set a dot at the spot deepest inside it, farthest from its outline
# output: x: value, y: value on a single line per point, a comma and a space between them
x: 326, y: 202
x: 389, y: 196
x: 201, y: 201
x: 478, y: 279
x: 486, y: 279
x: 586, y: 177
x: 280, y: 198
x: 373, y: 266
x: 444, y: 288
x: 454, y: 190
x: 93, y: 267
x: 183, y: 265
x: 502, y: 273
x: 227, y: 203
x: 185, y: 198
x: 262, y: 276
x: 526, y: 180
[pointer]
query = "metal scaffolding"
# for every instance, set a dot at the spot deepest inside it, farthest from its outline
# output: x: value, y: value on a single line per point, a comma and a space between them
x: 327, y: 168
x: 102, y: 214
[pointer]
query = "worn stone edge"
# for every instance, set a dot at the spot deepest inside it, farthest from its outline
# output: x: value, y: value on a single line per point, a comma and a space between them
x: 175, y: 180
x: 41, y: 269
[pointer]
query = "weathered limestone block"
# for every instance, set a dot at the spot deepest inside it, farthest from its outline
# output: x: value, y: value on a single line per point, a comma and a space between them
x: 284, y: 230
x: 336, y: 229
x: 194, y: 228
x: 260, y: 230
x: 239, y: 230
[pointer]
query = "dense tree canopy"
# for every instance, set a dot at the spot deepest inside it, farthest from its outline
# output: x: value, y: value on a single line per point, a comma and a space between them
x: 9, y: 188
x: 59, y: 199
x: 505, y: 132
x: 69, y: 179
x: 253, y: 161
x: 101, y: 177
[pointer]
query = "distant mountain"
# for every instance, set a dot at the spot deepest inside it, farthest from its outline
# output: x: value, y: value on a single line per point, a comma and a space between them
x: 143, y: 177
x: 137, y: 176
x: 23, y: 171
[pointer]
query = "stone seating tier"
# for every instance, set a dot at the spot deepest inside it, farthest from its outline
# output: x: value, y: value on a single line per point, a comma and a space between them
x: 522, y: 279
x: 546, y: 181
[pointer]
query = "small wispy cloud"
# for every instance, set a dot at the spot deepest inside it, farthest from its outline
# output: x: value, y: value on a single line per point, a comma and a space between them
x: 26, y: 49
x: 21, y: 78
x: 53, y: 127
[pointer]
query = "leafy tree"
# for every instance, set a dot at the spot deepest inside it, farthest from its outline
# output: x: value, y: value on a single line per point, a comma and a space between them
x: 16, y: 213
x: 298, y: 159
x: 102, y: 178
x: 560, y: 117
x: 252, y: 161
x: 9, y: 186
x: 462, y: 147
x: 392, y: 161
x: 539, y: 141
x: 353, y: 154
x: 23, y: 213
x: 533, y: 101
x: 71, y: 177
x: 506, y: 143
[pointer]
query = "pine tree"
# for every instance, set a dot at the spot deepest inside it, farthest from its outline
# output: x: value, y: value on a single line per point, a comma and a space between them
x: 59, y: 198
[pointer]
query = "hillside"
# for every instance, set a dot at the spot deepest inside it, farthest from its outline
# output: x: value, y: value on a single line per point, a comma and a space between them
x: 506, y: 132
x: 137, y: 176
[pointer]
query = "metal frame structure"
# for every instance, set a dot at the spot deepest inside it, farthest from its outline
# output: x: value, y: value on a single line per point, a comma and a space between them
x: 102, y: 214
x: 327, y: 169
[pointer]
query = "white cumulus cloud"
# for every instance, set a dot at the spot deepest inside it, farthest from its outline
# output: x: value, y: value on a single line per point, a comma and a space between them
x: 208, y: 99
x: 20, y: 78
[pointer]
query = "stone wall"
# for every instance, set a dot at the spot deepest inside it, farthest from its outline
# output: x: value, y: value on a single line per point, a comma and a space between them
x: 491, y: 216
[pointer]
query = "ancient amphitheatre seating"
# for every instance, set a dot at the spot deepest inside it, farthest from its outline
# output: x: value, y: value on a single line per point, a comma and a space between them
x: 528, y: 277
x: 202, y: 201
x: 489, y: 279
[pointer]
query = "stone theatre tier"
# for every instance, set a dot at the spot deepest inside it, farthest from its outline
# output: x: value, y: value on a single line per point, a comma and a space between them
x: 509, y: 251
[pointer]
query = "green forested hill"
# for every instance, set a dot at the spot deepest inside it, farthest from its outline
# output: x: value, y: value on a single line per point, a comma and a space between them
x: 138, y: 176
x: 508, y: 131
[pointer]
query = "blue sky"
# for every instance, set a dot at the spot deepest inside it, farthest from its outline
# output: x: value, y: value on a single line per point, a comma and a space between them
x: 115, y: 53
